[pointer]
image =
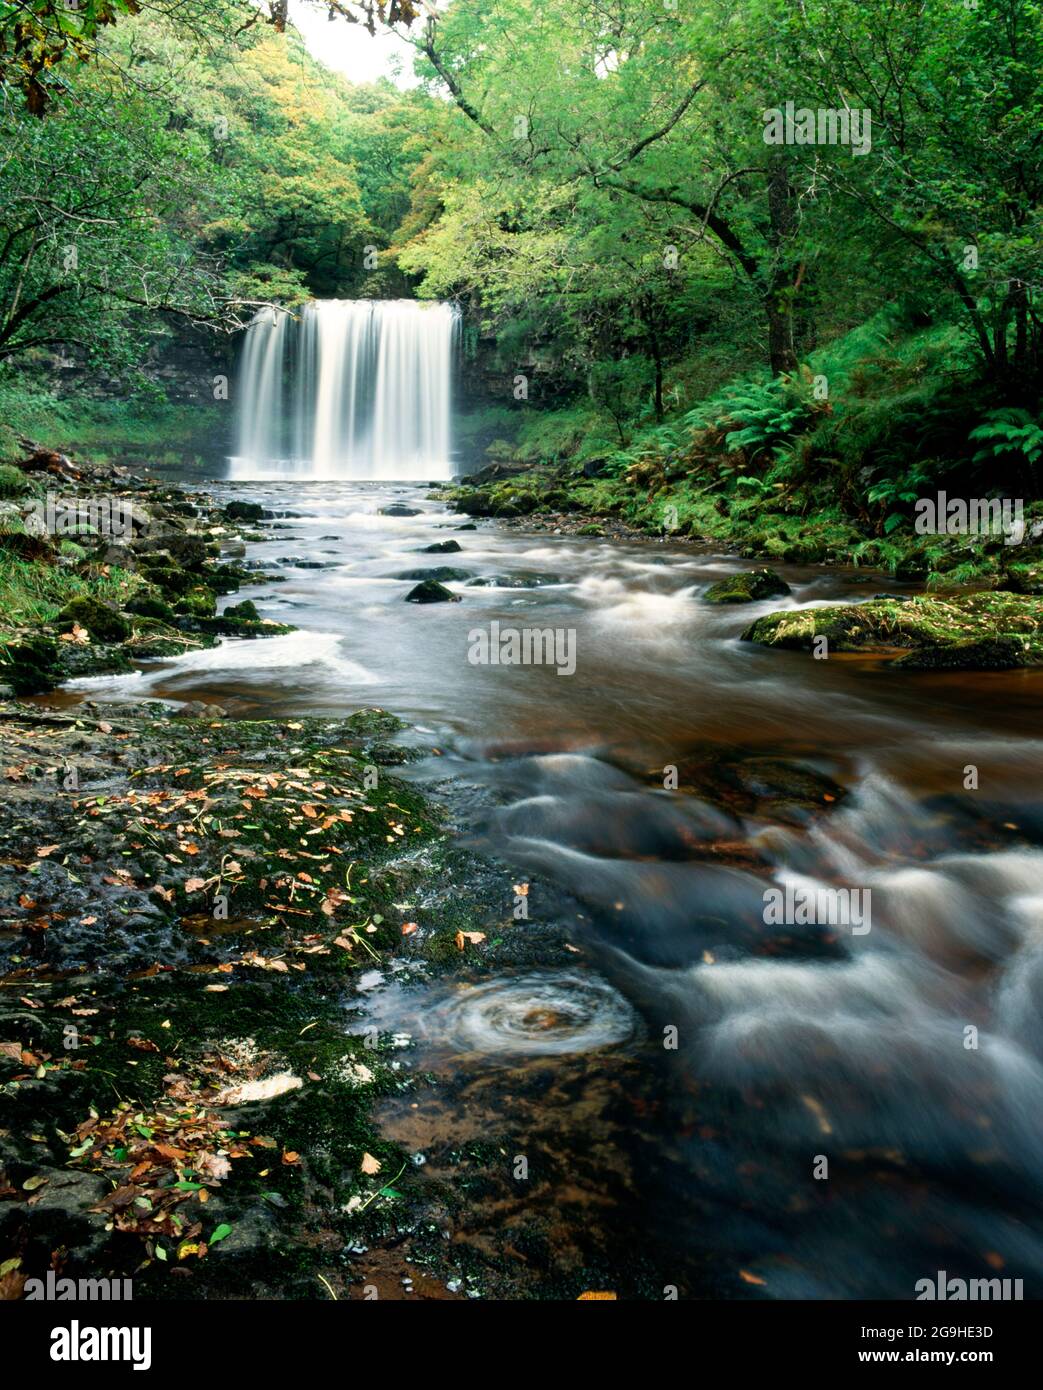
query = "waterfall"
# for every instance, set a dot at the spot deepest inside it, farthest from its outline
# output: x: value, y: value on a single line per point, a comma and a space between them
x: 349, y: 388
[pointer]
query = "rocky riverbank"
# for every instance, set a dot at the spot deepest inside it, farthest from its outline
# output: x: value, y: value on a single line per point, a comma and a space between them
x: 101, y: 567
x: 187, y: 906
x: 567, y: 500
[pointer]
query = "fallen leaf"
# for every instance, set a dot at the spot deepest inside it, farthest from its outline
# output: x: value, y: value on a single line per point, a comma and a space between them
x: 463, y: 937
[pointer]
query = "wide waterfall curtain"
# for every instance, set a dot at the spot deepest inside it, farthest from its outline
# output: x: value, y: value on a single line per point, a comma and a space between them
x: 348, y: 389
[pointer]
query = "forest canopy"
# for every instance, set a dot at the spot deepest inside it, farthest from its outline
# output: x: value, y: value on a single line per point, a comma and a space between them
x: 646, y: 198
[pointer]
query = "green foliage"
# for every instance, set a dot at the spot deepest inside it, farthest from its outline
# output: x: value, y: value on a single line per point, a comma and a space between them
x: 13, y: 482
x: 1006, y: 432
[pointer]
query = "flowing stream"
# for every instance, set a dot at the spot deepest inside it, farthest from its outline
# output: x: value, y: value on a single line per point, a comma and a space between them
x: 704, y: 1099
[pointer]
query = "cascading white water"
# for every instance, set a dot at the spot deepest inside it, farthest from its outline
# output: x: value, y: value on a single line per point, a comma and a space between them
x: 351, y: 388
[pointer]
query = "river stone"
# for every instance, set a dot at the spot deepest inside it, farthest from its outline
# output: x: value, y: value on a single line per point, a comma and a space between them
x: 523, y: 579
x: 440, y: 574
x: 749, y: 586
x: 245, y: 511
x: 441, y: 548
x: 398, y: 509
x: 990, y: 654
x: 431, y: 592
x: 242, y: 612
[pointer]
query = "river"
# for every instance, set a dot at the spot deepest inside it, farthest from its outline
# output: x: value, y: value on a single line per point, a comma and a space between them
x: 701, y: 1099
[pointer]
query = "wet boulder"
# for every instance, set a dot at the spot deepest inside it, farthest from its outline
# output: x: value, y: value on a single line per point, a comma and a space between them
x: 988, y: 654
x: 431, y: 592
x: 441, y: 548
x: 749, y: 586
x: 398, y: 509
x: 244, y: 511
x: 440, y: 574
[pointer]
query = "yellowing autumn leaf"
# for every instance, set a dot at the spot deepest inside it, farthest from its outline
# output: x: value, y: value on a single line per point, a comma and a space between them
x: 463, y: 937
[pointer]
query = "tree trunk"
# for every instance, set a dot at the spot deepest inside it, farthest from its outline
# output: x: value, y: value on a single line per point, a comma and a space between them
x: 782, y: 274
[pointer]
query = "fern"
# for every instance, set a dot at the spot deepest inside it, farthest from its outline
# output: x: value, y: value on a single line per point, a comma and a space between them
x: 1009, y: 431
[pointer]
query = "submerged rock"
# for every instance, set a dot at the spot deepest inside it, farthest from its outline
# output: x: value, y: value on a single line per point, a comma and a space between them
x: 749, y: 586
x: 398, y: 509
x: 982, y: 632
x: 440, y: 574
x: 441, y: 548
x: 431, y: 592
x: 523, y: 579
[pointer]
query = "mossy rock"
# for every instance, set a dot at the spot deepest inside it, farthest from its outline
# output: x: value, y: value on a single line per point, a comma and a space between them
x: 169, y: 578
x: 226, y: 579
x: 245, y: 612
x: 516, y: 504
x: 102, y: 622
x: 244, y: 511
x: 30, y: 665
x: 150, y: 606
x: 749, y: 586
x: 199, y: 602
x: 989, y: 654
x: 1023, y: 578
x: 429, y: 591
x: 959, y: 631
x: 475, y: 504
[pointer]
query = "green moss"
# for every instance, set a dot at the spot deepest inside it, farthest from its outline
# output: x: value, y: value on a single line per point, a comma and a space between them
x: 103, y: 622
x: 747, y: 587
x: 955, y: 631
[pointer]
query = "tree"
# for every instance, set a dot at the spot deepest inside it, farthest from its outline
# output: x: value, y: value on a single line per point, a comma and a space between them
x: 90, y: 202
